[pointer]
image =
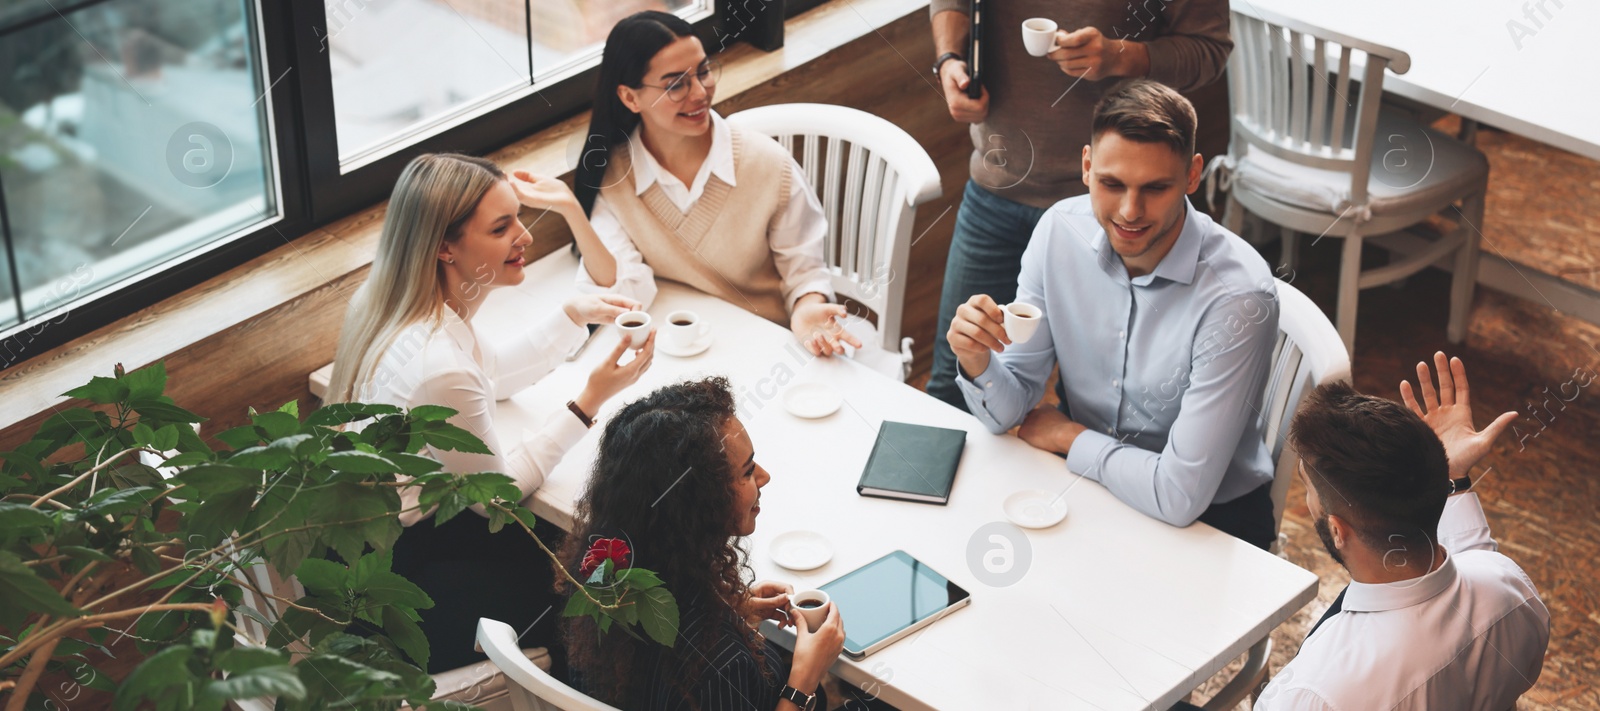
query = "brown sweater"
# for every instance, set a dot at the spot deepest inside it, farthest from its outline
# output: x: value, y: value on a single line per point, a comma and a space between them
x: 1029, y: 149
x: 721, y: 246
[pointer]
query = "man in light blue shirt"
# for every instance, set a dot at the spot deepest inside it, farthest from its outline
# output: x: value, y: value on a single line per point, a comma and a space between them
x: 1163, y: 324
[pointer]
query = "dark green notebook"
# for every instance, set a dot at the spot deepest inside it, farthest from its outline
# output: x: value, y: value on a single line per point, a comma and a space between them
x: 913, y: 463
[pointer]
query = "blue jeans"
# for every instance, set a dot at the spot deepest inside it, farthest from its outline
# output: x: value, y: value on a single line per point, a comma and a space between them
x: 985, y: 258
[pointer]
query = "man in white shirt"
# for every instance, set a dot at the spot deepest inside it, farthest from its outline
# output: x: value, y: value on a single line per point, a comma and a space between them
x: 1435, y: 617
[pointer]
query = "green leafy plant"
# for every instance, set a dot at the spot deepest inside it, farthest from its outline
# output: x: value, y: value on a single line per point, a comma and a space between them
x: 94, y: 541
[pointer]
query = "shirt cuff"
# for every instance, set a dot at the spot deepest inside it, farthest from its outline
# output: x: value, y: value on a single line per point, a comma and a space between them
x: 1463, y: 525
x: 1088, y: 453
x: 819, y: 286
x: 564, y: 335
x: 562, y: 430
x: 977, y: 396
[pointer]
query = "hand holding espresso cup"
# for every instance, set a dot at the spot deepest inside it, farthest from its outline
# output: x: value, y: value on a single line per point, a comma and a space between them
x: 977, y: 330
x: 1039, y: 36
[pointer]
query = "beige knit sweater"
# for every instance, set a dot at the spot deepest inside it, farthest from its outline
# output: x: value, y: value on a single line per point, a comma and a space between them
x: 721, y: 246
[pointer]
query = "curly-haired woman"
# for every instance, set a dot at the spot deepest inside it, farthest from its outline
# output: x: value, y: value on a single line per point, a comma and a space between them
x: 677, y: 476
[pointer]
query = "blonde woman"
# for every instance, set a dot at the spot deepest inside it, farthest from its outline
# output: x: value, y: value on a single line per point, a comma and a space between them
x: 450, y: 235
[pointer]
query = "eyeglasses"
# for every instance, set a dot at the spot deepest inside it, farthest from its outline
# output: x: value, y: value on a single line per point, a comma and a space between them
x: 678, y: 90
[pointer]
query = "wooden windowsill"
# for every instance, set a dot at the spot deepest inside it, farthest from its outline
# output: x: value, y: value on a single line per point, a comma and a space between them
x: 345, y: 248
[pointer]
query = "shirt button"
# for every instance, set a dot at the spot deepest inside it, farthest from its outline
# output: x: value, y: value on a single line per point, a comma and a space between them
x: 988, y: 383
x: 1122, y: 334
x: 1111, y: 430
x: 1114, y: 382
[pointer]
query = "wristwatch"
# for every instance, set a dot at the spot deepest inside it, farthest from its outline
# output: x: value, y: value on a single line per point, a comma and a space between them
x: 806, y: 702
x: 947, y: 56
x: 1459, y: 485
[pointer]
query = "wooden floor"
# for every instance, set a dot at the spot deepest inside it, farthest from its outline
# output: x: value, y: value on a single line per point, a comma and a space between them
x: 1541, y: 492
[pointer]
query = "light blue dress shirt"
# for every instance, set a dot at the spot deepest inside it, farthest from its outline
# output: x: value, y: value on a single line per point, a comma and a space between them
x: 1166, y: 370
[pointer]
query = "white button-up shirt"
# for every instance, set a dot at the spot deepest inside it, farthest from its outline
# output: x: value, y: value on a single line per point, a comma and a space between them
x: 1469, y: 636
x: 447, y: 364
x: 796, y: 241
x: 1166, y: 370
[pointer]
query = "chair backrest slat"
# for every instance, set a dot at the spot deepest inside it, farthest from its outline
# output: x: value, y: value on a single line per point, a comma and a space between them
x: 1342, y: 109
x: 1287, y: 109
x: 1297, y: 89
x: 1319, y: 93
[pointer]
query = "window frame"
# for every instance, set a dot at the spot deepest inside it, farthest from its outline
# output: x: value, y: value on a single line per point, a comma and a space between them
x: 313, y: 190
x: 63, y: 323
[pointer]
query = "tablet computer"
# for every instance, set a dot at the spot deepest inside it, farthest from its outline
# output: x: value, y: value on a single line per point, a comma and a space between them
x: 890, y: 598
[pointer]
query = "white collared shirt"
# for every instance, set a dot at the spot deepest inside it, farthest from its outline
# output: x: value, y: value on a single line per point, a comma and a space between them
x: 447, y: 364
x: 796, y: 242
x: 1469, y: 636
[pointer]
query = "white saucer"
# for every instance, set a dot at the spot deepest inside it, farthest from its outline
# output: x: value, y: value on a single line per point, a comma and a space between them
x: 812, y: 400
x: 694, y: 349
x: 800, y: 550
x: 1035, y: 509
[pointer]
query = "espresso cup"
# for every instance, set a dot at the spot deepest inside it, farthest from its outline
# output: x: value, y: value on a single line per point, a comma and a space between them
x: 1039, y: 36
x: 683, y: 330
x: 635, y: 327
x: 812, y: 605
x: 1021, y: 321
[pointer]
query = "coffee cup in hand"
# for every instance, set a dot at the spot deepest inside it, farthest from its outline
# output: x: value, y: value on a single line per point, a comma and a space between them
x: 684, y: 329
x: 1021, y: 321
x: 635, y: 328
x: 1039, y: 36
x: 812, y: 605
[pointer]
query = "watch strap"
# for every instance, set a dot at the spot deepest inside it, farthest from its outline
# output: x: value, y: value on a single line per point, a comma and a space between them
x: 805, y: 701
x: 947, y: 56
x: 1459, y: 485
x: 582, y: 416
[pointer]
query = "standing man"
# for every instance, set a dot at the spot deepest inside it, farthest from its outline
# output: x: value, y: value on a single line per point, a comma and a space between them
x: 1435, y: 616
x: 1033, y: 117
x: 1162, y: 322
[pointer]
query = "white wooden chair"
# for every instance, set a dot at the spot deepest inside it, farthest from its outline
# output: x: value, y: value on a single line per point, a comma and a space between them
x: 531, y: 688
x: 870, y: 176
x: 1309, y: 353
x: 1309, y: 155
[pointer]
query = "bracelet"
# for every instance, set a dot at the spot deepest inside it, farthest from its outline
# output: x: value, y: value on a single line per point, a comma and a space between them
x: 573, y: 406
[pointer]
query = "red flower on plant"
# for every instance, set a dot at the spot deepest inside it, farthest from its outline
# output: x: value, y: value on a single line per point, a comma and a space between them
x: 613, y: 549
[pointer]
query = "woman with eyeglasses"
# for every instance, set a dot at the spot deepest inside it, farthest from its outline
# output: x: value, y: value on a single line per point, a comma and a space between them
x: 670, y: 189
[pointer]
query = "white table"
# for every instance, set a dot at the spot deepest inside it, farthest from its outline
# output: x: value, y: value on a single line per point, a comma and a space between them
x: 1465, y: 60
x: 1116, y: 610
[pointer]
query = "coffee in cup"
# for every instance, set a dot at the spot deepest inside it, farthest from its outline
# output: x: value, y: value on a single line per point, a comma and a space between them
x: 811, y: 604
x: 684, y: 330
x: 1022, y: 320
x: 1039, y: 36
x: 635, y: 328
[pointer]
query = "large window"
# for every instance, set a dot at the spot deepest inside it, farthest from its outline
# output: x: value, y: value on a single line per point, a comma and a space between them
x: 148, y: 145
x: 401, y: 68
x: 132, y: 133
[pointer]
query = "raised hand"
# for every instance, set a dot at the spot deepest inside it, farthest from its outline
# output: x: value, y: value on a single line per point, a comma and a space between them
x: 541, y: 192
x: 1448, y: 410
